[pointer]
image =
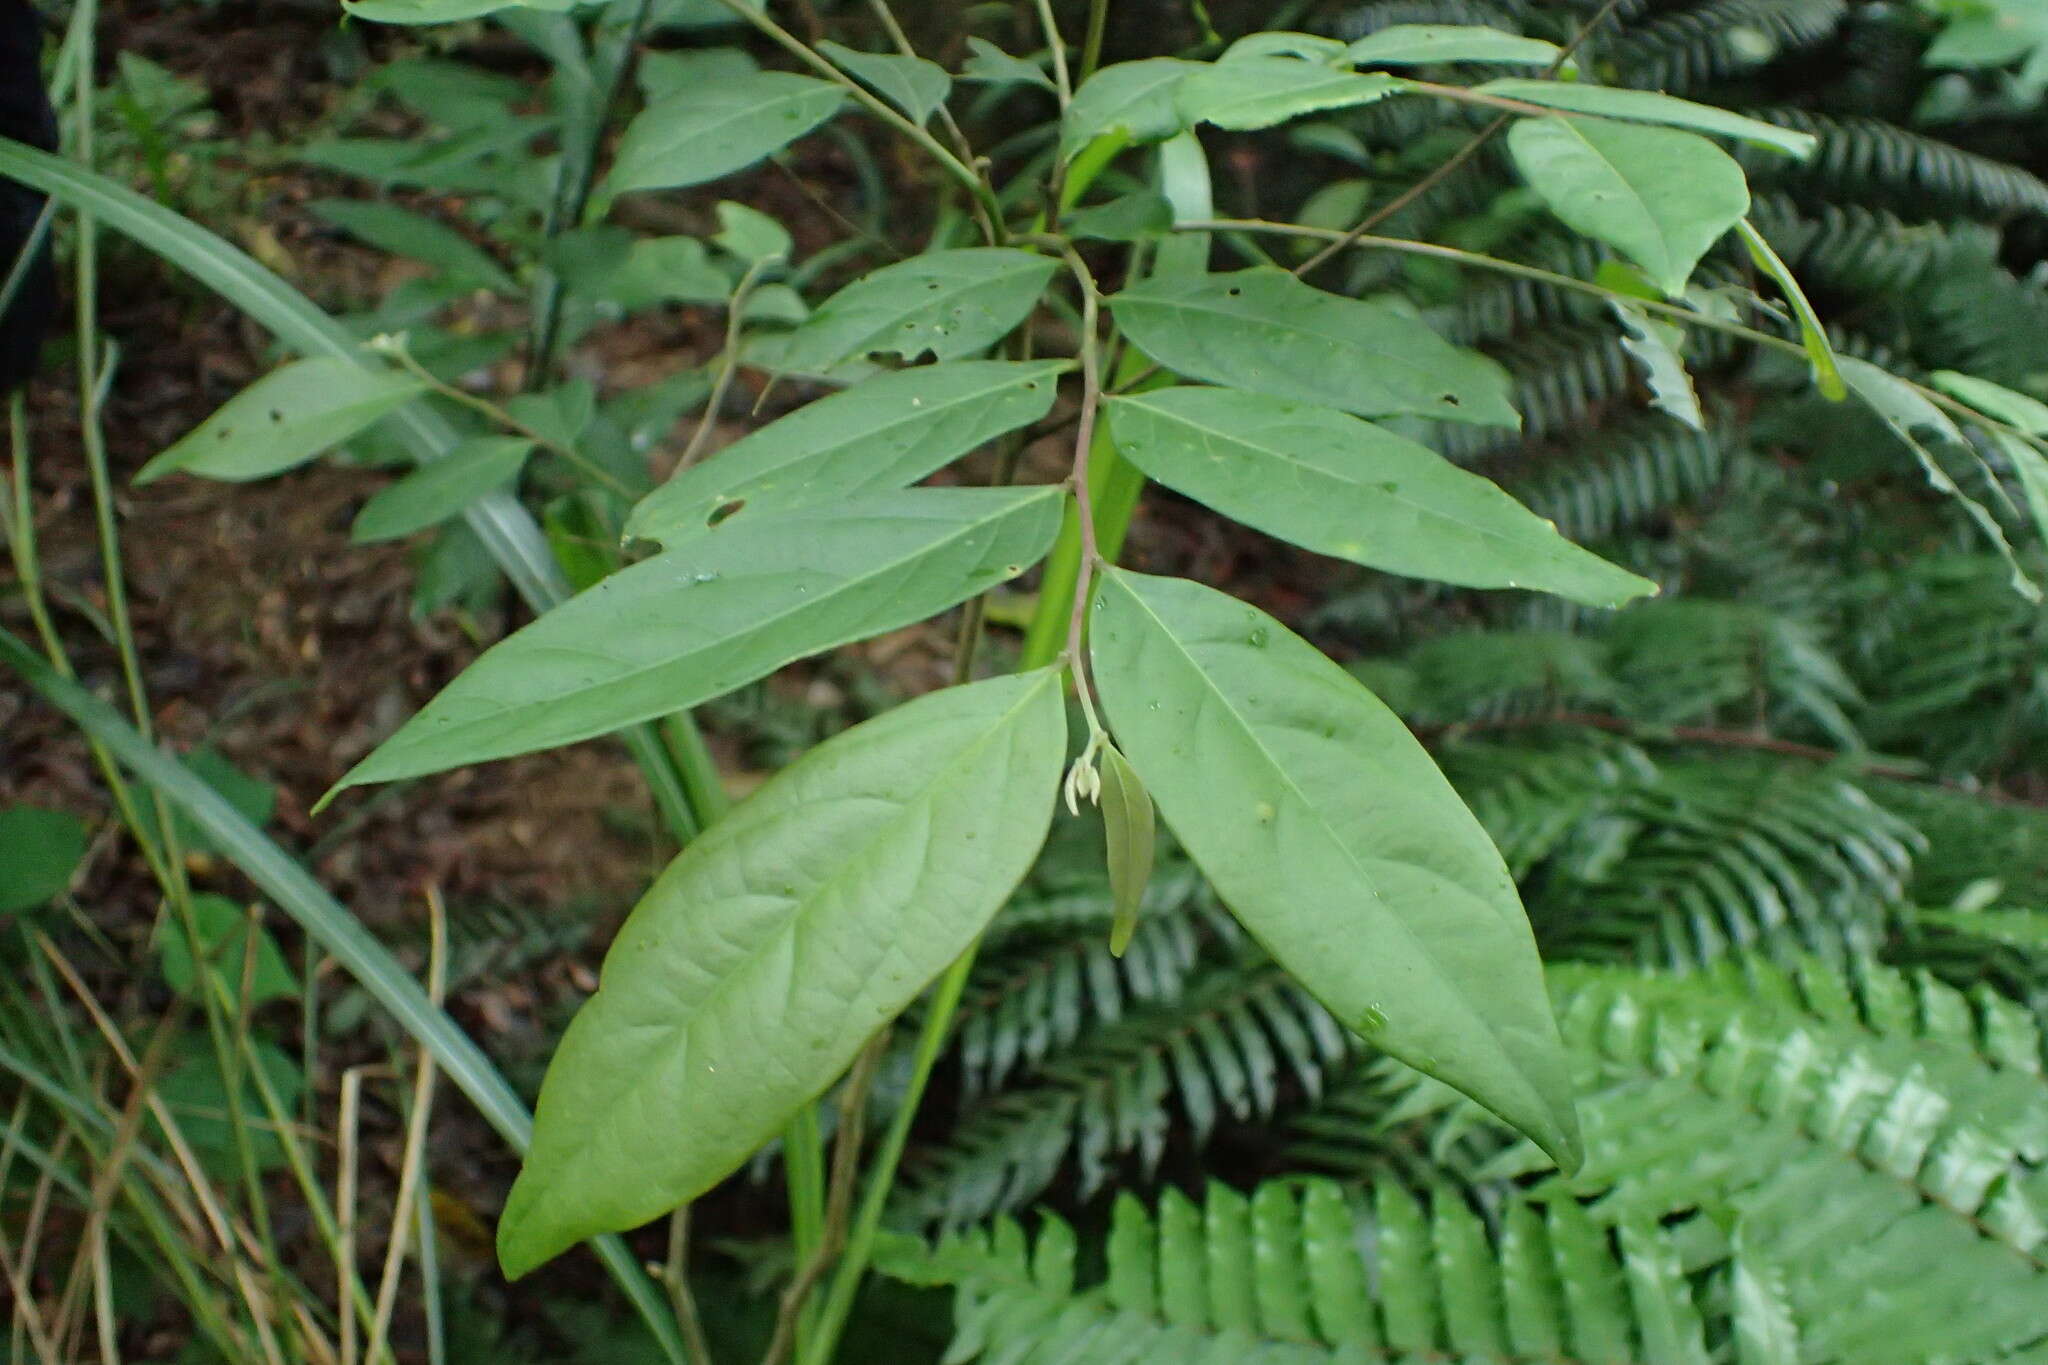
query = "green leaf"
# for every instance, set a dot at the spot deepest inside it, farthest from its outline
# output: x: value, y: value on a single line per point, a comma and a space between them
x: 912, y: 84
x: 987, y: 62
x: 1131, y: 101
x: 439, y: 11
x: 2015, y: 409
x: 750, y: 234
x: 415, y: 237
x: 1126, y: 218
x: 199, y: 1099
x: 1258, y: 92
x: 1266, y: 331
x: 1660, y: 197
x: 661, y: 74
x: 285, y: 419
x: 40, y: 850
x: 1339, y: 486
x: 948, y: 303
x: 435, y: 492
x: 611, y: 264
x: 1329, y: 833
x: 716, y: 128
x: 223, y: 938
x: 697, y: 622
x: 254, y: 799
x: 883, y: 434
x: 1127, y: 828
x: 775, y: 946
x: 1428, y: 44
x: 1820, y: 352
x: 1647, y: 106
x: 1308, y: 47
x: 1907, y: 412
x: 1659, y: 347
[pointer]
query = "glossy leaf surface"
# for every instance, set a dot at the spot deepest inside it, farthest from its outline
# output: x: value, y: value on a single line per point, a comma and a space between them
x: 1339, y: 486
x: 885, y: 433
x: 1264, y: 330
x: 695, y: 623
x: 770, y: 951
x: 1330, y: 834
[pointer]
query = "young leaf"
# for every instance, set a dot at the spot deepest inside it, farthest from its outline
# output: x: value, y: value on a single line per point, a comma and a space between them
x: 1647, y: 106
x: 1258, y: 92
x: 912, y: 84
x: 285, y: 419
x: 886, y: 433
x: 1127, y: 828
x: 1264, y: 330
x: 417, y: 238
x: 2014, y: 409
x: 716, y: 128
x: 771, y: 950
x: 1427, y: 44
x: 1659, y: 347
x: 39, y: 851
x: 1132, y: 101
x: 1329, y: 833
x: 1660, y: 197
x: 989, y: 63
x: 695, y: 623
x: 948, y: 303
x: 1820, y: 352
x: 1333, y: 484
x: 1907, y: 412
x: 750, y: 234
x: 223, y: 938
x: 435, y: 492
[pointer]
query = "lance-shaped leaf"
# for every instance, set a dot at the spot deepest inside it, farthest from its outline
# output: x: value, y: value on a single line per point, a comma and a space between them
x: 948, y: 303
x: 1426, y: 44
x: 718, y: 127
x: 1658, y: 196
x: 1128, y: 835
x: 285, y: 419
x: 435, y: 492
x: 1647, y: 106
x: 885, y: 433
x: 1264, y: 330
x: 1338, y: 486
x: 1260, y: 91
x: 775, y: 945
x: 912, y: 84
x: 2020, y: 410
x: 1329, y: 833
x: 1820, y: 352
x: 695, y: 623
x: 1132, y: 101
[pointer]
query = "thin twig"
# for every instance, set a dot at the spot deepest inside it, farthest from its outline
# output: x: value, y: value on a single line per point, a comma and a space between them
x: 676, y: 1279
x: 728, y: 365
x: 1058, y: 46
x: 1084, y: 502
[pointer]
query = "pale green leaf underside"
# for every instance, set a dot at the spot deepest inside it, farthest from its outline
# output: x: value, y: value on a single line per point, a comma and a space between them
x: 1129, y: 835
x: 1425, y: 44
x: 948, y: 303
x: 775, y: 945
x: 885, y: 433
x: 1258, y: 92
x: 1660, y: 197
x: 695, y: 623
x: 1658, y: 347
x: 1264, y: 330
x: 286, y: 418
x: 1820, y: 352
x: 1334, y: 839
x: 1134, y: 100
x: 1340, y: 486
x: 1648, y: 106
x: 437, y: 491
x: 719, y: 127
x: 912, y: 84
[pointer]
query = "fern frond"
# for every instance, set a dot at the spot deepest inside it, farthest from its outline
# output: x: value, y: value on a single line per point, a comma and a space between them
x: 1686, y: 51
x: 1302, y: 1271
x: 1628, y: 475
x: 1858, y: 250
x: 1240, y: 1041
x: 1865, y: 159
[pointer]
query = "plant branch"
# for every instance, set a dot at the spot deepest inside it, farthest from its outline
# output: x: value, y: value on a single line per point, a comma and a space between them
x: 1091, y: 44
x: 1058, y: 48
x: 1457, y: 159
x: 728, y: 364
